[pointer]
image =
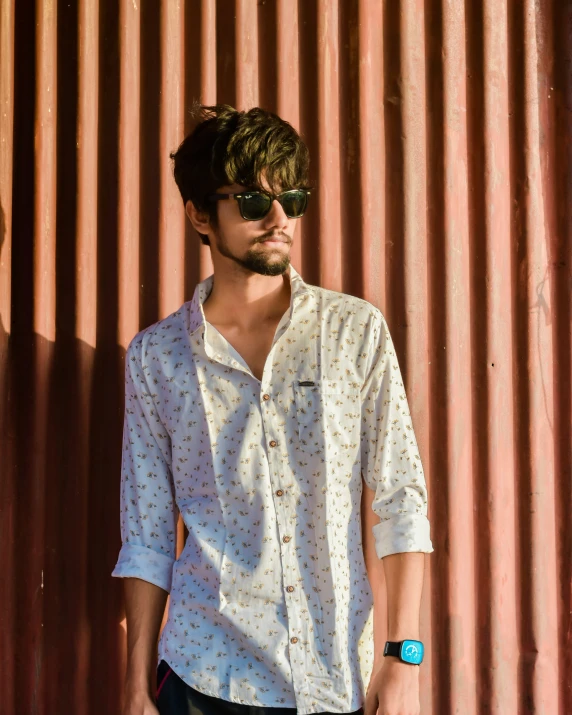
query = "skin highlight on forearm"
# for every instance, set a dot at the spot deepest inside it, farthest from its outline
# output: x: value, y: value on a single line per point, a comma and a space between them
x: 144, y: 609
x: 396, y: 583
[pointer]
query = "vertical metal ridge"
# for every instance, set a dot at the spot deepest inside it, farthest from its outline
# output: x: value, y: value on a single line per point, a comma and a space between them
x: 36, y: 579
x: 349, y: 152
x: 287, y: 60
x: 478, y: 144
x: 129, y: 161
x: 87, y: 169
x: 456, y: 362
x: 410, y: 292
x: 498, y: 608
x: 541, y: 666
x: 208, y: 52
x: 309, y: 228
x: 561, y: 96
x: 288, y: 84
x: 436, y: 454
x: 208, y: 96
x: 172, y: 124
x: 7, y: 12
x: 328, y: 154
x: 46, y: 165
x: 7, y: 492
x: 246, y: 58
x: 412, y: 320
x: 86, y: 306
x: 371, y: 150
x: 393, y: 150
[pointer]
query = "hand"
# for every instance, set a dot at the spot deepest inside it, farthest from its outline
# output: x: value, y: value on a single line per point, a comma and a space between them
x: 139, y: 703
x: 393, y: 689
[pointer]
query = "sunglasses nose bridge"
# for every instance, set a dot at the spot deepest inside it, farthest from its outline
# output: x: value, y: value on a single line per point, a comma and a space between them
x: 276, y: 206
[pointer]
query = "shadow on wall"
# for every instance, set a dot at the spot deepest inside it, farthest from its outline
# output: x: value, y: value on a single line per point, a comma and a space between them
x: 62, y: 641
x: 61, y: 414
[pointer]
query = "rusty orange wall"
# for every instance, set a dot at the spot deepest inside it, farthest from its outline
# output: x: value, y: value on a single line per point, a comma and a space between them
x: 441, y: 137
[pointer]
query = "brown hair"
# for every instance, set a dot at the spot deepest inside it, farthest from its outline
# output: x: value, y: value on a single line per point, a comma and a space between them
x: 231, y: 147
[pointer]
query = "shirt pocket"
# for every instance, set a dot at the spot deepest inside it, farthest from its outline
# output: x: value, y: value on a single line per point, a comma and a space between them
x: 327, y: 417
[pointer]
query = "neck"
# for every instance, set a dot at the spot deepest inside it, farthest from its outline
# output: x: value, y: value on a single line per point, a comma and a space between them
x: 247, y: 303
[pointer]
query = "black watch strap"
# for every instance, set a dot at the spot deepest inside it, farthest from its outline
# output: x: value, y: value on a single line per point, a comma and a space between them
x: 392, y: 648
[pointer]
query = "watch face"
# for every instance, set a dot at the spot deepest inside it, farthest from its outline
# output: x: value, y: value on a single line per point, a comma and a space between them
x: 412, y: 652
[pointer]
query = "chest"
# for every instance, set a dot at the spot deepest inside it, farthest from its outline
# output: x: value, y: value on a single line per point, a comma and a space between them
x: 252, y: 347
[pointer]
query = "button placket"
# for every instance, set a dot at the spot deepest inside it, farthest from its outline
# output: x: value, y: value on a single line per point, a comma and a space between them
x: 290, y: 570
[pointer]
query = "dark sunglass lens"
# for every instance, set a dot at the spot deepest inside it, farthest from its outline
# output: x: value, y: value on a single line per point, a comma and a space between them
x: 255, y: 206
x: 294, y: 203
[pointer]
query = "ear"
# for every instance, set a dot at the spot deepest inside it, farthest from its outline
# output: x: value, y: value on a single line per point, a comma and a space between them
x: 199, y: 219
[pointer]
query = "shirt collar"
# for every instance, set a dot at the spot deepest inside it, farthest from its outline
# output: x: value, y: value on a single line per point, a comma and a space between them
x: 202, y: 290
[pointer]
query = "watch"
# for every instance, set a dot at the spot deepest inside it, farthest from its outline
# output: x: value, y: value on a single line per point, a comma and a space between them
x: 408, y: 651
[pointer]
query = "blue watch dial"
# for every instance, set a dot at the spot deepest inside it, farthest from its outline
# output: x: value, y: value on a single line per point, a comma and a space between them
x: 411, y: 652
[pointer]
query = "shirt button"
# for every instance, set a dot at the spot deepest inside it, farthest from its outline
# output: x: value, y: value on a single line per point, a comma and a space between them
x: 289, y: 589
x: 265, y: 397
x: 279, y: 493
x: 293, y: 640
x: 273, y: 443
x: 286, y: 539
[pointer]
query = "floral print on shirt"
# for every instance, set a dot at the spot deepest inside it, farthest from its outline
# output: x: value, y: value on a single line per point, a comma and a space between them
x: 270, y: 602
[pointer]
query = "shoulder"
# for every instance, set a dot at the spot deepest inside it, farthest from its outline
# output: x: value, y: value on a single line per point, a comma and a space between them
x: 160, y: 338
x: 348, y: 307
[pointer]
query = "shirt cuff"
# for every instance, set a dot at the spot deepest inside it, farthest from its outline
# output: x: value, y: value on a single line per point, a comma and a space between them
x: 401, y: 534
x: 140, y: 562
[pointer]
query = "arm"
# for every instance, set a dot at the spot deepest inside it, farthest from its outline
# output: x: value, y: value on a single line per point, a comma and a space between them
x: 390, y: 461
x: 144, y: 608
x: 394, y: 686
x: 404, y: 578
x: 396, y: 583
x: 148, y: 527
x: 396, y: 528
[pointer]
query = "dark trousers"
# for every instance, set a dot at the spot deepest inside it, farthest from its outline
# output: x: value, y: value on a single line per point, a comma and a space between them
x: 175, y: 697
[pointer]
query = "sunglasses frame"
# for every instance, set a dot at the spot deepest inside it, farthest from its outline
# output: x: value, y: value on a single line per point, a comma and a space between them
x: 273, y: 197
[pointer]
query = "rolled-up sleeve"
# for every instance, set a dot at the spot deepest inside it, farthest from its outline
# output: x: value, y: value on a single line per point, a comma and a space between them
x: 147, y: 499
x: 390, y: 460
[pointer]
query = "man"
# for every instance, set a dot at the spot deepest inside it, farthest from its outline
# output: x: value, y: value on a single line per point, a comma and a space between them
x: 272, y: 416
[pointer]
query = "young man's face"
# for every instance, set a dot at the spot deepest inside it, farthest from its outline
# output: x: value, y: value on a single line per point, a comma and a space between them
x: 249, y: 243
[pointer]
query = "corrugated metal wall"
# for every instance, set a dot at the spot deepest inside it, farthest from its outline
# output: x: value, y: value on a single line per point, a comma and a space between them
x: 441, y: 137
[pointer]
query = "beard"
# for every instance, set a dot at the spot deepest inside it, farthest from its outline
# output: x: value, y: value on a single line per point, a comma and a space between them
x: 266, y: 262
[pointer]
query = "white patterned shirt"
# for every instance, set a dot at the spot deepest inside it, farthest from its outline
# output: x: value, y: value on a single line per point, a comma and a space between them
x: 270, y: 601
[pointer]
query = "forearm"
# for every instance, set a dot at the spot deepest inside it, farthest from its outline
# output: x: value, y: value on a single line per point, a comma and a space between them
x: 375, y: 573
x: 396, y: 582
x: 144, y: 609
x: 404, y: 583
x: 394, y: 685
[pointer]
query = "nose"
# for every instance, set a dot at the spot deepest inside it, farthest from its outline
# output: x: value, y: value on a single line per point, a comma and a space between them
x: 276, y: 217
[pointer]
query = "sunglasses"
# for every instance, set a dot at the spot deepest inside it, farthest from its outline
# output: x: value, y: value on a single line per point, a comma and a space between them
x: 255, y: 205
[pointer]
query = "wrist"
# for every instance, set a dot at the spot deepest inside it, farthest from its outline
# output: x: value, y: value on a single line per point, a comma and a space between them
x: 402, y: 634
x: 394, y: 660
x: 139, y: 684
x: 139, y: 702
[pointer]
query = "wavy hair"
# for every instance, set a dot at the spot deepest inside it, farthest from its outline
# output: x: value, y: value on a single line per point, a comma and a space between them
x: 231, y: 147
